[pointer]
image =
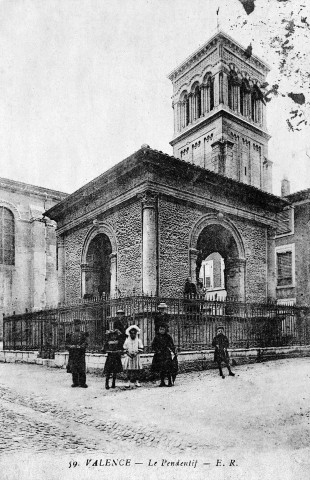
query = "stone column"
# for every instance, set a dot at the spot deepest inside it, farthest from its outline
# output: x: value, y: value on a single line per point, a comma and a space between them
x: 247, y: 103
x: 113, y: 273
x: 235, y: 278
x: 61, y: 272
x: 190, y: 97
x: 203, y: 101
x: 175, y: 116
x: 149, y: 243
x: 236, y: 98
x: 216, y: 90
x: 179, y: 116
x: 193, y: 254
x: 208, y: 99
x: 271, y: 265
x: 85, y: 272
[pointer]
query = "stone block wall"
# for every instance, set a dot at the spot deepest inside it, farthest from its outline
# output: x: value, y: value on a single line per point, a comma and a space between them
x: 254, y: 238
x: 126, y: 224
x: 73, y: 244
x: 175, y: 223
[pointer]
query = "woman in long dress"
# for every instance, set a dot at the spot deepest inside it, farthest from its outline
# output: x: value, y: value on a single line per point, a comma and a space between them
x: 114, y: 350
x: 163, y: 347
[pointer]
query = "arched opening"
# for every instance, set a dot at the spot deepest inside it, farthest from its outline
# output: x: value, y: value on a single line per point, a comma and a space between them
x: 212, y: 277
x: 187, y: 113
x: 218, y: 249
x: 97, y: 269
x: 197, y: 102
x: 211, y: 94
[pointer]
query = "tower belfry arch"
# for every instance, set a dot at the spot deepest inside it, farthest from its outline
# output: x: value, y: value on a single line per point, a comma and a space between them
x: 218, y: 93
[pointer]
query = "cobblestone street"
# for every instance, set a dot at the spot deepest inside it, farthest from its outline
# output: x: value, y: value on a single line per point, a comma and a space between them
x: 255, y: 425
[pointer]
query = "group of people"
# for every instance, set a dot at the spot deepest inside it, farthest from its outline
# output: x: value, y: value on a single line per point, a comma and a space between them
x: 125, y: 340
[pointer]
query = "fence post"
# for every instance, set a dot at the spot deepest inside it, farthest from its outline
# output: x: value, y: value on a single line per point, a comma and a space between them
x: 3, y: 331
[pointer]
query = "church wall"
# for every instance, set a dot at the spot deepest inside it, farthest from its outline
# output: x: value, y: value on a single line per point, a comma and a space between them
x: 126, y: 224
x: 176, y: 222
x: 30, y: 283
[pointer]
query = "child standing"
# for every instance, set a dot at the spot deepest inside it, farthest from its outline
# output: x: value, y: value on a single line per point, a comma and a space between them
x: 163, y: 346
x: 113, y: 364
x: 133, y: 347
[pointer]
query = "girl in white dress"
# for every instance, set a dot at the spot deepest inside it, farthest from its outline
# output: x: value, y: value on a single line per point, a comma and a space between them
x: 133, y: 347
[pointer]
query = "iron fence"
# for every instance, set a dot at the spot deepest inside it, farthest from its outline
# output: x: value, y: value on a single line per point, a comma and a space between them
x: 192, y: 323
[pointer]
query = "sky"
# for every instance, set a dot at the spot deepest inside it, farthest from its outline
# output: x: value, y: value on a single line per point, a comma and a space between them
x: 84, y: 82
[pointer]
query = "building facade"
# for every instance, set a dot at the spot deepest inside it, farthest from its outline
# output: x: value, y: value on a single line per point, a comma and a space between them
x: 153, y: 220
x: 150, y: 221
x: 28, y: 277
x: 292, y: 250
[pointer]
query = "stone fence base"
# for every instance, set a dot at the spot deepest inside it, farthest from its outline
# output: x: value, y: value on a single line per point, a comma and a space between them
x: 188, y: 361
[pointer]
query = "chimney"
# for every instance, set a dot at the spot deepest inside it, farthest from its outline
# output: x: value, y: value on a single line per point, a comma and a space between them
x: 285, y: 187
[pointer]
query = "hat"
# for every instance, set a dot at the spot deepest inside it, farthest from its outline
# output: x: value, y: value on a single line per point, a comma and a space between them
x: 113, y: 332
x: 133, y: 327
x: 162, y: 305
x: 162, y: 325
x: 77, y: 321
x: 219, y: 327
x: 120, y: 312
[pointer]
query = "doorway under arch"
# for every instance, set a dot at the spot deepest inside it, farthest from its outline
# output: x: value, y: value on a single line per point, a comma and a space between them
x: 215, y: 240
x: 97, y: 268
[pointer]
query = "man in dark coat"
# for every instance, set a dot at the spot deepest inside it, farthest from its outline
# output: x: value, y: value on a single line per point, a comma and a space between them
x: 190, y: 294
x: 121, y: 324
x: 221, y: 344
x: 163, y: 347
x: 161, y: 317
x: 190, y: 290
x: 76, y: 344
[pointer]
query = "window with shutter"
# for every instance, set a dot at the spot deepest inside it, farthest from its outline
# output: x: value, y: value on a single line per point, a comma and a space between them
x: 285, y: 258
x: 7, y: 237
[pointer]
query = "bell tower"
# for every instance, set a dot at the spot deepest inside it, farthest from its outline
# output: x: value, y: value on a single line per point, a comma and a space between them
x: 220, y: 111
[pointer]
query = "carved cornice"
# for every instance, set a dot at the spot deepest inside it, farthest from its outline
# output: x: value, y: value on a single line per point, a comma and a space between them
x: 209, y: 118
x: 219, y: 39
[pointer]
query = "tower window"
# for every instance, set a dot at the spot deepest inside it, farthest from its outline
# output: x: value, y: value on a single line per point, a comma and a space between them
x: 212, y: 94
x: 244, y: 170
x: 7, y: 237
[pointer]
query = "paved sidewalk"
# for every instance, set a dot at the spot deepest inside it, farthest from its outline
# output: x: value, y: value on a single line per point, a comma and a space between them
x: 259, y: 419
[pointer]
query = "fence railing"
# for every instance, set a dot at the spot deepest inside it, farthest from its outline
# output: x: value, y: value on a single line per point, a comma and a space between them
x: 192, y: 323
